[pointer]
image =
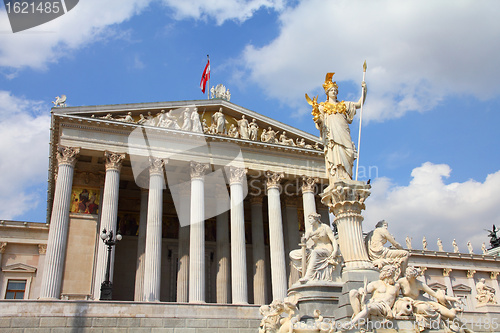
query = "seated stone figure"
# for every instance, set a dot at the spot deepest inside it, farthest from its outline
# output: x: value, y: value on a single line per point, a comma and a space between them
x: 427, y: 312
x: 485, y: 294
x: 384, y: 292
x: 381, y: 255
x: 321, y: 253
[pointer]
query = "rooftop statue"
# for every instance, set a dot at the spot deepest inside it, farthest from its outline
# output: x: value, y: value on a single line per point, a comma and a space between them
x: 381, y: 255
x: 60, y: 101
x: 494, y: 240
x: 319, y: 254
x: 332, y: 118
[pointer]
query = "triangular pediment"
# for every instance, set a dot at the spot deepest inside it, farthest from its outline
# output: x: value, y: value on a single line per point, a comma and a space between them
x: 462, y: 288
x: 437, y: 286
x: 19, y: 268
x: 150, y: 114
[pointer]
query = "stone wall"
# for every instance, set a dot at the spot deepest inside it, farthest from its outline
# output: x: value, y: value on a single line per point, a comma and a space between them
x: 125, y: 317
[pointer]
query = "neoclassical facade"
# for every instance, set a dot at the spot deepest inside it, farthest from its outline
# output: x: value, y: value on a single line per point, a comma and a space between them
x: 209, y: 198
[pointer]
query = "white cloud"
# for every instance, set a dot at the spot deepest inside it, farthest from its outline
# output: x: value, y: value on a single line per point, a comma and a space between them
x: 221, y: 10
x: 89, y: 21
x: 416, y: 51
x: 24, y: 134
x: 429, y: 207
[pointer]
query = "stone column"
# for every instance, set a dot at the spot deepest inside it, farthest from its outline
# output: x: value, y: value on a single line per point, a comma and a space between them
x: 447, y: 281
x: 42, y: 251
x: 183, y: 268
x: 292, y: 221
x: 238, y: 246
x: 223, y: 251
x: 109, y: 215
x: 197, y: 236
x: 346, y: 200
x: 472, y: 285
x: 3, y: 246
x: 259, y: 252
x: 141, y: 247
x: 152, y: 266
x: 494, y: 282
x: 59, y: 221
x: 276, y: 243
x: 308, y: 188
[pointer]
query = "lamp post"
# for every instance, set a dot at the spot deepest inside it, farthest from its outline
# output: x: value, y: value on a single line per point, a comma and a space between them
x: 107, y: 286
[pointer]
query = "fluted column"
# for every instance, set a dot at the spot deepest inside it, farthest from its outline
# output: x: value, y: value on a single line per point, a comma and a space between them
x: 58, y: 233
x: 308, y: 188
x: 3, y: 246
x: 472, y: 284
x: 494, y: 282
x: 238, y: 246
x: 152, y: 268
x: 197, y: 236
x: 447, y: 281
x: 346, y: 200
x: 141, y: 247
x: 223, y: 252
x: 292, y: 221
x: 183, y: 268
x: 276, y: 243
x: 259, y: 252
x: 109, y: 214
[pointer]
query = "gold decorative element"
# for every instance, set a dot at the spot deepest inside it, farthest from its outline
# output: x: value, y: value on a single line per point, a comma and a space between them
x: 328, y: 82
x: 309, y: 184
x: 364, y: 67
x: 67, y: 155
x: 113, y: 160
x: 446, y: 271
x: 3, y: 245
x: 237, y: 175
x: 470, y: 273
x: 42, y: 248
x: 273, y: 179
x: 494, y: 275
x: 198, y: 170
x: 156, y: 166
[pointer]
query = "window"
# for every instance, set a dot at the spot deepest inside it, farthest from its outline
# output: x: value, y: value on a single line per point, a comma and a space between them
x: 15, y: 289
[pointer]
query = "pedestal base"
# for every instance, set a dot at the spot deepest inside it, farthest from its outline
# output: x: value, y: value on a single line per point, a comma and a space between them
x: 321, y: 295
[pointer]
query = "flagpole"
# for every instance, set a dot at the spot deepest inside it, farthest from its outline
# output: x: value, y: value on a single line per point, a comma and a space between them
x: 360, y: 120
x: 208, y: 81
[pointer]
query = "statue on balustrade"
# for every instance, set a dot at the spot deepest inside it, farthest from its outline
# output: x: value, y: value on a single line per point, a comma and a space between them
x: 319, y: 255
x: 332, y: 118
x: 485, y: 294
x: 381, y: 255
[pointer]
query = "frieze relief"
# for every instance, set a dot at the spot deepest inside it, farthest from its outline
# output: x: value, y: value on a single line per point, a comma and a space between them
x: 213, y: 123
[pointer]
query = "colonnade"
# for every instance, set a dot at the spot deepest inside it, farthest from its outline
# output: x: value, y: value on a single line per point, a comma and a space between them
x: 191, y: 279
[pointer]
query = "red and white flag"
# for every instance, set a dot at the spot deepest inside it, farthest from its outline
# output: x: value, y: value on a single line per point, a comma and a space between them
x: 205, y: 76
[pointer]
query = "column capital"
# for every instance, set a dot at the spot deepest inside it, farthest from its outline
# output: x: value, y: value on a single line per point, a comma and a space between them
x: 67, y: 155
x: 273, y: 179
x: 494, y: 275
x: 42, y: 248
x: 236, y: 174
x: 156, y: 166
x: 114, y: 160
x: 446, y: 271
x: 198, y: 170
x: 309, y: 184
x: 256, y: 199
x: 470, y: 273
x: 3, y: 245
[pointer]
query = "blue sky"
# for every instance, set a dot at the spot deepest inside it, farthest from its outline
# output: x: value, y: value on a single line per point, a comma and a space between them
x: 429, y: 123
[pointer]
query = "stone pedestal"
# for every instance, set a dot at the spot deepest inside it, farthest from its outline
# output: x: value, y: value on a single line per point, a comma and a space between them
x: 317, y: 295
